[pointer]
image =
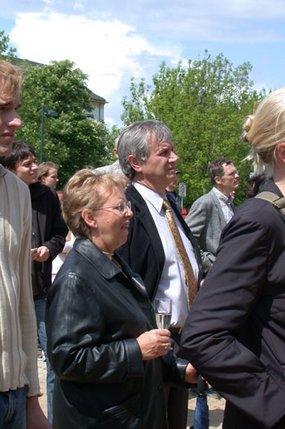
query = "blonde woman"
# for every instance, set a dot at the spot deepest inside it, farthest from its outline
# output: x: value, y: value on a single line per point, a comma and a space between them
x: 235, y: 334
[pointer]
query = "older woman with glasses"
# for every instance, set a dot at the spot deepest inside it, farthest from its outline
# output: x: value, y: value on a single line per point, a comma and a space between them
x: 109, y: 358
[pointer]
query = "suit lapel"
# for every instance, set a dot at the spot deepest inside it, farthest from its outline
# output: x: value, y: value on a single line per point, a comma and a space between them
x: 144, y: 217
x: 135, y: 279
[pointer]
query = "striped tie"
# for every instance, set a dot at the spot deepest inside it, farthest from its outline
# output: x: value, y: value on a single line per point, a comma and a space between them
x: 186, y: 264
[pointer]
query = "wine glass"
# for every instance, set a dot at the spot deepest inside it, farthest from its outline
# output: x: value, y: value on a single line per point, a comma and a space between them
x: 163, y: 309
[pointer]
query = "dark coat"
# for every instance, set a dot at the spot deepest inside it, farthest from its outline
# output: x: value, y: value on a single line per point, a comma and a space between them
x: 95, y: 311
x: 48, y: 230
x: 235, y: 333
x: 143, y: 250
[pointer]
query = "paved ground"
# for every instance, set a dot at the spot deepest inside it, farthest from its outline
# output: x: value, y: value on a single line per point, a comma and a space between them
x: 216, y: 406
x: 216, y: 411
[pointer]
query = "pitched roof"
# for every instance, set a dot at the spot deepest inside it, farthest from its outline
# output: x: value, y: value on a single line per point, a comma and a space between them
x: 21, y: 62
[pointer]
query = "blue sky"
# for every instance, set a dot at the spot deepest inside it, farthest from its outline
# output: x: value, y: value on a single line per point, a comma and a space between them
x: 114, y: 40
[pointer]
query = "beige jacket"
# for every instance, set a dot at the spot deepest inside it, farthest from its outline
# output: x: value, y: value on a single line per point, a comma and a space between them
x: 18, y: 336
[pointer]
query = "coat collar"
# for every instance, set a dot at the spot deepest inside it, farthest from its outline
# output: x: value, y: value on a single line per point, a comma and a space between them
x: 97, y: 258
x: 105, y: 266
x: 3, y: 170
x: 270, y: 186
x: 37, y: 189
x: 136, y: 197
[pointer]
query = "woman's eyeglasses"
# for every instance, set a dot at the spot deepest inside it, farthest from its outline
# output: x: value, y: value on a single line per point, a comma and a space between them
x: 122, y: 208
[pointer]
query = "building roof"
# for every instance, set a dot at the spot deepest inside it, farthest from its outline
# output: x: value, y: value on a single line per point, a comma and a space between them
x: 21, y: 62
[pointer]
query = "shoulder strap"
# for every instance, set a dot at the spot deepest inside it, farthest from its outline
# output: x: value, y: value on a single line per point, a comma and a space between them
x: 278, y: 202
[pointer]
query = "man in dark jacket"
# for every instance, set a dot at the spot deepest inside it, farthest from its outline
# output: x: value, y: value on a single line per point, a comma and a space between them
x: 147, y: 157
x: 48, y: 238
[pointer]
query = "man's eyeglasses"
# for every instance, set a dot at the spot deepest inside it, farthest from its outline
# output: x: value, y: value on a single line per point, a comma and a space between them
x: 122, y: 207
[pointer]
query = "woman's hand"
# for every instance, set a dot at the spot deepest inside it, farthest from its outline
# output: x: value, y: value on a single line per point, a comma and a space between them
x: 154, y: 343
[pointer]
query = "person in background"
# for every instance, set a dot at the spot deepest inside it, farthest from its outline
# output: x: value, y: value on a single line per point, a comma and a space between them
x: 113, y: 168
x: 19, y: 383
x: 171, y: 190
x: 147, y: 158
x: 109, y: 357
x: 60, y: 258
x: 255, y: 183
x: 210, y: 213
x: 47, y: 174
x: 235, y: 333
x: 48, y: 238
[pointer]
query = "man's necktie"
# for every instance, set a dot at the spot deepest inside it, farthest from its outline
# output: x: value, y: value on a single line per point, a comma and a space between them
x: 188, y: 271
x: 231, y: 204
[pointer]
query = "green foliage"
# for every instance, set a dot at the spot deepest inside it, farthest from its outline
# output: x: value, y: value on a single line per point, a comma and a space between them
x: 72, y: 138
x: 139, y: 107
x: 6, y: 52
x: 204, y: 103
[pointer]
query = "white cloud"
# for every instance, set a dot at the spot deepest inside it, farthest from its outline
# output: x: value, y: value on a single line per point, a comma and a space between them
x: 114, y: 40
x: 105, y: 50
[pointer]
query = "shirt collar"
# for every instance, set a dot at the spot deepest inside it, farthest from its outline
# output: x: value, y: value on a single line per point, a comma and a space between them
x: 150, y: 196
x: 220, y: 195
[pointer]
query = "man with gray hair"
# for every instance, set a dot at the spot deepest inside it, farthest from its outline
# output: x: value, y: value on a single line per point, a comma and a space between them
x: 148, y: 159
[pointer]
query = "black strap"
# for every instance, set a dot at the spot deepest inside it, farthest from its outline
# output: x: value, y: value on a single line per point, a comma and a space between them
x: 278, y: 202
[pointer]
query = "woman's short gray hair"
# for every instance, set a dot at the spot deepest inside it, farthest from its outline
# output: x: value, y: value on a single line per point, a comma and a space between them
x: 86, y: 189
x: 134, y: 140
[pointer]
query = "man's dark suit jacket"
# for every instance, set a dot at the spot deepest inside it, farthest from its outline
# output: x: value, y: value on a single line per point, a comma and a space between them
x: 143, y: 250
x: 235, y: 332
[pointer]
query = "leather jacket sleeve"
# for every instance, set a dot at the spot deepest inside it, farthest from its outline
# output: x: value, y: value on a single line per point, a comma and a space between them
x: 77, y: 351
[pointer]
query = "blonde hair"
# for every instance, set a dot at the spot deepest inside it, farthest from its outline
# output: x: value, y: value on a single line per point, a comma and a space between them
x: 264, y: 130
x: 10, y: 80
x: 44, y: 167
x: 86, y: 189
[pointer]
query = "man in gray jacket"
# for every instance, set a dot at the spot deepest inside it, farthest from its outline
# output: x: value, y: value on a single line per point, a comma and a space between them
x: 210, y: 213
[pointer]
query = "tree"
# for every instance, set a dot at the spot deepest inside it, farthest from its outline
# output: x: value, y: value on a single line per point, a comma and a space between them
x: 6, y: 52
x: 57, y: 121
x: 204, y: 103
